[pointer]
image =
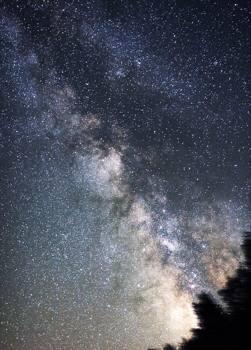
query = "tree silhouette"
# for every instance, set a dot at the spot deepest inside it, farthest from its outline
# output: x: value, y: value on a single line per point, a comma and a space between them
x: 228, y: 327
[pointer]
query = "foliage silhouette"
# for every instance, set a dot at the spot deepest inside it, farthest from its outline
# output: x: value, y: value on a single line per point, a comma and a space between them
x: 228, y: 327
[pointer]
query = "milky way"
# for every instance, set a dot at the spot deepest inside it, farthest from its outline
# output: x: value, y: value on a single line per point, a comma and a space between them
x: 124, y: 166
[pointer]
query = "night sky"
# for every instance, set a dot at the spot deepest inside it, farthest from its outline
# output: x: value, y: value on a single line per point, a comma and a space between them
x: 124, y: 168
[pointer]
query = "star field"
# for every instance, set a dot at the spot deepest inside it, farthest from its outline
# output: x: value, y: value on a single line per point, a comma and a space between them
x: 124, y: 167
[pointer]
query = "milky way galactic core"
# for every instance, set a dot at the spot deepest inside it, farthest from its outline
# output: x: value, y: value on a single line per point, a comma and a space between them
x: 124, y: 166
